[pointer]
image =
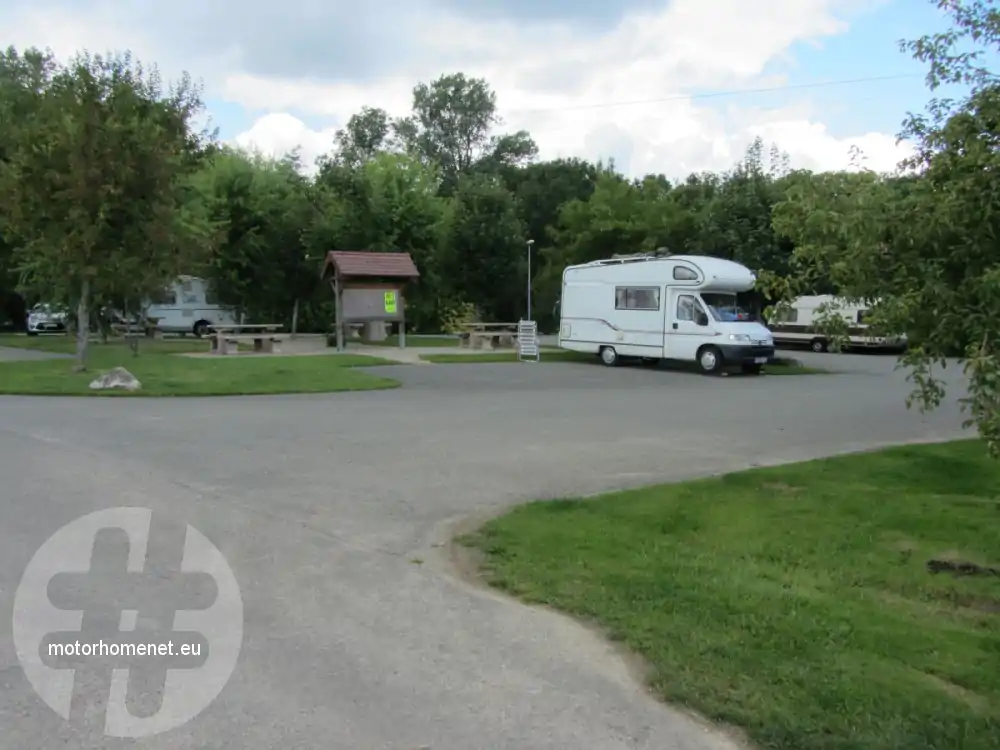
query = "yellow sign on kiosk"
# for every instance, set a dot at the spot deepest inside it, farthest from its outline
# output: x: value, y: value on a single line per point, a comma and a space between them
x: 390, y: 303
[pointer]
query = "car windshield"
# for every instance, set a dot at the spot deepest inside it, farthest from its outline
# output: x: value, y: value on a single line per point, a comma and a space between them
x: 724, y: 308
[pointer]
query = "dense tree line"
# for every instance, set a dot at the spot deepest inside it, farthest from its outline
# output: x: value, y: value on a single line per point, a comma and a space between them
x: 107, y: 190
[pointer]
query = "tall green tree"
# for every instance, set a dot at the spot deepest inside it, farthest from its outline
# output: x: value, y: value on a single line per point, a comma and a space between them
x: 923, y: 250
x: 452, y: 126
x: 484, y: 257
x: 94, y: 188
x: 366, y: 134
x: 260, y: 209
x: 737, y: 224
x: 22, y: 79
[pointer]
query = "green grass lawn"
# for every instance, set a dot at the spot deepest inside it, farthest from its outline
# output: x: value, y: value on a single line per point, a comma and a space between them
x: 548, y: 355
x: 563, y: 355
x: 413, y: 341
x: 794, y: 602
x: 164, y: 375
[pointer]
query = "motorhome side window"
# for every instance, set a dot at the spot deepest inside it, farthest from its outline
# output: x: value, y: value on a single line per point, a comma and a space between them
x: 188, y: 294
x: 163, y: 297
x: 787, y: 315
x: 637, y: 298
x: 684, y: 274
x: 688, y: 308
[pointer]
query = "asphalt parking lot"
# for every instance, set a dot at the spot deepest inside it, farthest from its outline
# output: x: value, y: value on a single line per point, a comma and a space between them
x: 329, y: 510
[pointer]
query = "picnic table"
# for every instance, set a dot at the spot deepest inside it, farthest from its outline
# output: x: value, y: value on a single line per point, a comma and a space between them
x: 263, y: 335
x: 488, y: 335
x: 130, y: 329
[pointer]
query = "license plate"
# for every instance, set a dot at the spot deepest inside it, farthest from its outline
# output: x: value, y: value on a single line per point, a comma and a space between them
x: 760, y: 361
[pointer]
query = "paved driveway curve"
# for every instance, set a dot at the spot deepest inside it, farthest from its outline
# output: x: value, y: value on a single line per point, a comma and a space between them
x: 328, y: 509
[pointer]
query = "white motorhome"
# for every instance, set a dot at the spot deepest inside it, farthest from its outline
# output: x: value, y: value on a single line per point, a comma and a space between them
x: 796, y: 324
x: 679, y: 307
x: 187, y: 306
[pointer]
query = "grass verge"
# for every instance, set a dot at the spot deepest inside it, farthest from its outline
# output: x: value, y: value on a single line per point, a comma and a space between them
x: 548, y: 355
x: 414, y: 341
x: 795, y: 602
x: 563, y: 355
x: 164, y: 375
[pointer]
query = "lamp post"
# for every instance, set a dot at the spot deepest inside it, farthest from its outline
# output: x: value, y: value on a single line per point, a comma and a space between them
x: 530, y: 243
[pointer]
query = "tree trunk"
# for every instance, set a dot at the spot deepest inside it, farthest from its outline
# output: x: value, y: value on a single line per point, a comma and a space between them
x: 82, y: 326
x: 295, y: 318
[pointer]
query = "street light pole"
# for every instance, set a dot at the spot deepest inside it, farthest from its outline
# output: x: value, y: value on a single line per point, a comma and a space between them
x: 530, y: 243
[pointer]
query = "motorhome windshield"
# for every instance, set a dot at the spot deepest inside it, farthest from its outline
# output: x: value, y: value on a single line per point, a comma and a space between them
x: 723, y: 307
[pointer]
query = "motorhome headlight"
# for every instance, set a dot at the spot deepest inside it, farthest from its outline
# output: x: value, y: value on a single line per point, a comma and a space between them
x: 741, y: 338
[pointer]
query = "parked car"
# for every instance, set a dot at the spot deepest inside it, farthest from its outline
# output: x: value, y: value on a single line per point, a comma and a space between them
x: 45, y: 318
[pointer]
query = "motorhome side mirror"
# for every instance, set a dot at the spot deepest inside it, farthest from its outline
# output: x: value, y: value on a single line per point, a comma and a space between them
x: 701, y: 318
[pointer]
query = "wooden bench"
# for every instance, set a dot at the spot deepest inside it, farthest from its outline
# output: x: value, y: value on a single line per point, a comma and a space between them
x: 488, y: 336
x: 132, y: 330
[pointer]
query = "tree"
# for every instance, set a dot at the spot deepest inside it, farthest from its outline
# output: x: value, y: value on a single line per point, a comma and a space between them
x: 366, y: 134
x: 484, y: 253
x: 94, y: 187
x: 452, y: 125
x: 22, y: 78
x: 408, y: 217
x: 923, y: 248
x: 737, y: 224
x: 260, y: 209
x: 541, y: 189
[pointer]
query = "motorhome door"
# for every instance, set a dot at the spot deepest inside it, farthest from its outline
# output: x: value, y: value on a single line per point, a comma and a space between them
x: 687, y: 326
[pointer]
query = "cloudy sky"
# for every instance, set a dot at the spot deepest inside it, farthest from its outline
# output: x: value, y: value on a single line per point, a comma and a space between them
x: 670, y: 86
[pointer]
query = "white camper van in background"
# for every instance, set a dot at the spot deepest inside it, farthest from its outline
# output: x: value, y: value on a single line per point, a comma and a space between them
x: 679, y: 307
x: 795, y: 324
x: 187, y: 306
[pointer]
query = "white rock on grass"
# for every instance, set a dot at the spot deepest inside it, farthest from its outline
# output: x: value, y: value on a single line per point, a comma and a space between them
x: 116, y: 378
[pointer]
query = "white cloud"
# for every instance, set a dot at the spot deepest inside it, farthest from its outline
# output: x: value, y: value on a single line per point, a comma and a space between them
x: 554, y: 85
x: 551, y: 78
x: 277, y: 134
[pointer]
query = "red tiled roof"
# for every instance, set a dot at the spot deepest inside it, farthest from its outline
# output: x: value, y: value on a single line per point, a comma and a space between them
x: 385, y: 265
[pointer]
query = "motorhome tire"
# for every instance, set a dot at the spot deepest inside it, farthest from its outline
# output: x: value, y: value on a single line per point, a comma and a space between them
x: 201, y: 328
x: 710, y: 360
x: 818, y: 345
x: 609, y: 356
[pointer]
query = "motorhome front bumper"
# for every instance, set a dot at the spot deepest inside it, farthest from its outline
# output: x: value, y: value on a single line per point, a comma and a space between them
x: 746, y: 354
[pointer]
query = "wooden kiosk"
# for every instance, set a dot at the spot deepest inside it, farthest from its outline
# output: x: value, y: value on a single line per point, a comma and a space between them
x: 367, y: 288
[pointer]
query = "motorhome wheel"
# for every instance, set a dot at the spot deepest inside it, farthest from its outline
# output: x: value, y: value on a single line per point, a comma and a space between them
x: 818, y: 345
x: 609, y: 356
x: 201, y: 328
x: 710, y: 360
